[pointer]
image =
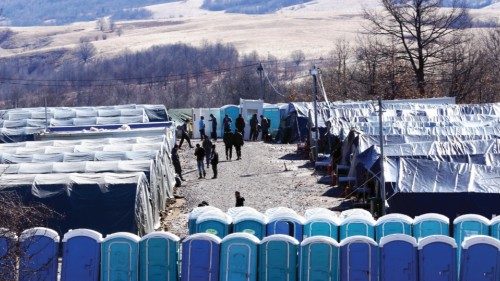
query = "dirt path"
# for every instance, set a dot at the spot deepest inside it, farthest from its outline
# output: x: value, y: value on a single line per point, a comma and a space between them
x: 269, y: 175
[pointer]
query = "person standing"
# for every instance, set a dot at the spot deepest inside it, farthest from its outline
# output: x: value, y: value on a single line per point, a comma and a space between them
x: 214, y: 127
x: 176, y: 162
x: 240, y: 124
x: 207, y: 145
x: 265, y: 124
x: 254, y: 128
x: 238, y: 143
x: 228, y: 143
x: 199, y: 152
x: 214, y: 159
x: 240, y: 200
x: 227, y: 123
x: 201, y: 127
x: 184, y: 134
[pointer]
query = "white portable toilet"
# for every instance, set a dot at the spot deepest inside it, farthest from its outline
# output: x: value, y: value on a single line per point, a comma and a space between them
x: 205, y: 112
x: 249, y: 108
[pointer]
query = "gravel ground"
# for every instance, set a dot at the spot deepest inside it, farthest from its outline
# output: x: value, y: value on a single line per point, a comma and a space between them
x: 269, y: 175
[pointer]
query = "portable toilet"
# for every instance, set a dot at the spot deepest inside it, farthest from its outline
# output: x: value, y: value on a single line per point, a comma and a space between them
x: 359, y: 259
x: 200, y: 257
x: 320, y: 211
x: 286, y: 224
x: 430, y: 224
x: 393, y: 224
x: 205, y: 112
x: 233, y: 111
x: 278, y: 211
x: 273, y: 114
x: 357, y: 225
x: 355, y: 212
x: 398, y: 258
x: 321, y: 225
x: 252, y: 223
x: 278, y: 258
x: 158, y: 255
x: 39, y: 252
x: 248, y: 109
x: 235, y: 211
x: 495, y: 227
x: 467, y: 225
x: 437, y: 258
x: 81, y: 255
x: 120, y: 257
x: 480, y: 259
x: 214, y: 222
x: 7, y: 254
x: 319, y: 259
x: 195, y: 213
x: 239, y: 253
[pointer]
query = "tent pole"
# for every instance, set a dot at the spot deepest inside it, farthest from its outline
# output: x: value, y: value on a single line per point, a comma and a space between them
x: 381, y: 136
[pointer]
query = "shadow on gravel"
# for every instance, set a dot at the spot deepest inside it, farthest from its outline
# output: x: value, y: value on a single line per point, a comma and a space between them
x: 334, y: 192
x: 292, y: 156
x: 344, y: 205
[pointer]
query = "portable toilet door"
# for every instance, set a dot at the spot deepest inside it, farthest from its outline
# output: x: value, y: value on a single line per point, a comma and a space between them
x: 359, y: 258
x: 200, y: 257
x: 319, y: 259
x: 357, y: 226
x: 158, y: 252
x: 239, y: 257
x: 81, y: 255
x: 468, y: 225
x: 120, y: 257
x: 216, y: 223
x: 251, y: 223
x: 398, y: 258
x: 320, y: 225
x: 7, y: 254
x: 437, y: 258
x: 288, y: 225
x: 495, y: 227
x: 39, y: 251
x: 195, y: 213
x: 430, y: 224
x: 232, y: 111
x: 393, y: 224
x: 278, y: 258
x: 480, y: 259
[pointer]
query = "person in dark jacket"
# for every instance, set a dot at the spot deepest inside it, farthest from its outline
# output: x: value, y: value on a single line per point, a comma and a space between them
x: 184, y: 134
x: 265, y: 124
x: 254, y: 128
x: 228, y: 143
x: 238, y: 143
x: 176, y: 162
x: 214, y: 127
x: 207, y: 145
x: 240, y: 124
x: 240, y: 200
x: 214, y: 160
x: 199, y: 152
x: 227, y: 123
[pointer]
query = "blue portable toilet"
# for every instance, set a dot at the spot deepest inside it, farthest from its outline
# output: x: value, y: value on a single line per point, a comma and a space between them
x: 286, y: 224
x: 81, y: 255
x: 480, y: 259
x: 200, y: 257
x: 232, y: 111
x: 468, y: 225
x: 39, y: 251
x: 272, y: 112
x: 278, y: 258
x: 120, y: 257
x: 495, y: 227
x: 319, y: 259
x: 195, y: 213
x: 393, y: 224
x: 7, y: 254
x: 437, y: 258
x: 359, y: 259
x: 357, y: 226
x: 252, y: 223
x: 398, y: 258
x: 238, y: 261
x: 321, y: 225
x: 158, y: 255
x: 430, y: 224
x: 214, y: 222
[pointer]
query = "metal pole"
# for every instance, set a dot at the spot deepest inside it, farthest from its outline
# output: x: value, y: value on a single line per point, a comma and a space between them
x: 314, y: 73
x: 381, y: 136
x: 260, y: 69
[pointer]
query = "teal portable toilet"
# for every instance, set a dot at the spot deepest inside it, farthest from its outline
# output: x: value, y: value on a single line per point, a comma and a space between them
x: 278, y: 258
x: 480, y: 259
x: 251, y: 223
x: 357, y: 212
x: 430, y: 224
x: 214, y: 222
x: 238, y: 261
x: 321, y: 225
x: 393, y: 224
x: 357, y: 225
x: 158, y: 255
x: 236, y: 211
x: 437, y: 258
x: 468, y: 225
x: 195, y: 213
x: 359, y: 259
x: 120, y: 257
x: 273, y: 114
x: 319, y: 259
x: 232, y: 111
x: 495, y: 227
x: 39, y: 249
x: 81, y: 255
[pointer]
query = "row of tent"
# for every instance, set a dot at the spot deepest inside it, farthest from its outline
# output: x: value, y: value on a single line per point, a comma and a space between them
x: 242, y: 256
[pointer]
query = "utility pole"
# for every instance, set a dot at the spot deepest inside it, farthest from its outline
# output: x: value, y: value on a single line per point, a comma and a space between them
x: 260, y: 70
x: 314, y: 73
x: 381, y: 136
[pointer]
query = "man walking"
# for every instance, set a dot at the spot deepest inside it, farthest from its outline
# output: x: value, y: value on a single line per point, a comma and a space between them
x: 265, y: 124
x: 214, y: 127
x: 215, y: 161
x: 199, y: 152
x: 228, y: 143
x: 176, y: 162
x: 240, y: 124
x: 254, y: 128
x: 227, y: 123
x: 240, y: 200
x: 201, y: 127
x: 207, y: 146
x: 238, y: 143
x: 184, y: 134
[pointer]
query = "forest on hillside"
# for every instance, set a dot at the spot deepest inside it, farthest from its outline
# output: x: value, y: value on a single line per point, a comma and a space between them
x: 249, y: 6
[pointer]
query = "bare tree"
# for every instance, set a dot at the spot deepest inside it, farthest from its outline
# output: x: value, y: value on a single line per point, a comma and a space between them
x: 297, y: 57
x: 85, y: 51
x: 422, y: 29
